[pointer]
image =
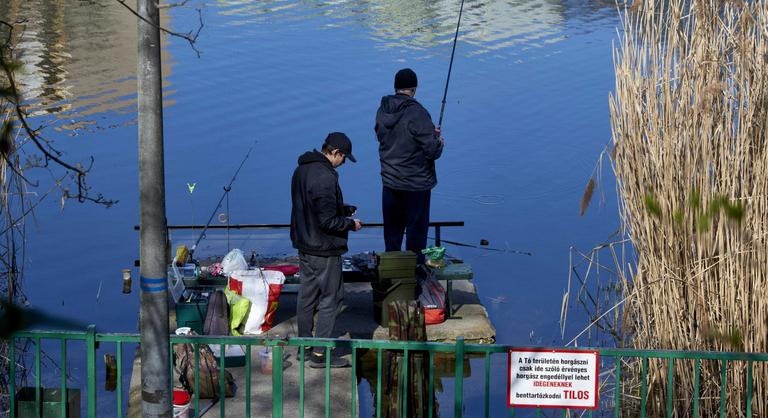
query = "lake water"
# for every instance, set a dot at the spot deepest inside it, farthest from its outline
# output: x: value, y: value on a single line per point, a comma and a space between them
x: 526, y: 118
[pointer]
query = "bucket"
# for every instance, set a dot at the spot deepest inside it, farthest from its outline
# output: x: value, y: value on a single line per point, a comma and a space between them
x: 265, y: 359
x: 180, y: 403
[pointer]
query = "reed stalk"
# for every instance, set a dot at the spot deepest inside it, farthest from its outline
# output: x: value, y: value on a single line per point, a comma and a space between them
x: 689, y: 116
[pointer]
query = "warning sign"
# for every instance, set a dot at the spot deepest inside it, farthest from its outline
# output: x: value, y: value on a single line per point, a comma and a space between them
x: 552, y: 378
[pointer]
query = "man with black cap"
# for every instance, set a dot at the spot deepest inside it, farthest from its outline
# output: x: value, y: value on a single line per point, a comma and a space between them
x: 320, y: 223
x: 409, y: 144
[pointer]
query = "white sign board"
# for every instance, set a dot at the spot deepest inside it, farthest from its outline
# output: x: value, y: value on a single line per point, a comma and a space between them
x: 552, y: 378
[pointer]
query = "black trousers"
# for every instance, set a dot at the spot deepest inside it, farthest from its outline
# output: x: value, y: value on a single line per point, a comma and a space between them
x: 406, y: 212
x: 322, y: 289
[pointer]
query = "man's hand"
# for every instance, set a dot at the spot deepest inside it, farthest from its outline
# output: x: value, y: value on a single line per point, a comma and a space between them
x: 358, y: 225
x: 438, y: 136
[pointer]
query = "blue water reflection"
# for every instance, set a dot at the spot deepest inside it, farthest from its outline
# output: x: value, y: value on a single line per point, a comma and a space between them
x: 527, y: 116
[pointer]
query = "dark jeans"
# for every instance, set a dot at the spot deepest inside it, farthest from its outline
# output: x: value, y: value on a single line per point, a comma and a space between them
x: 322, y: 289
x: 405, y: 212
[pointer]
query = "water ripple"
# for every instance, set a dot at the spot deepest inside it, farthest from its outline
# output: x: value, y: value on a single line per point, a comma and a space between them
x: 416, y: 25
x: 80, y: 57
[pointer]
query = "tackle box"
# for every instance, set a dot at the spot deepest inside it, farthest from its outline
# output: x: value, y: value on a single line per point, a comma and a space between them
x: 191, y: 312
x: 397, y: 265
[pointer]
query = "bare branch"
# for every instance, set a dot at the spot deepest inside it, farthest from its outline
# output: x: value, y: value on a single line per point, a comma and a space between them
x: 18, y: 173
x: 27, y: 211
x: 42, y: 144
x: 172, y: 5
x: 190, y: 37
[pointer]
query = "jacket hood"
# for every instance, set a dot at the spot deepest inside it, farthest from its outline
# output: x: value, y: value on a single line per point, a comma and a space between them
x: 392, y: 109
x: 314, y: 156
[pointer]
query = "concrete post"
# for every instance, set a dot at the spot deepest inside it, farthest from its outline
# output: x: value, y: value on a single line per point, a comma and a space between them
x: 155, y: 357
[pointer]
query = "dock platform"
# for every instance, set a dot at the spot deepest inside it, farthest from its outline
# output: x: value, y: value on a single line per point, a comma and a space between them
x: 469, y: 320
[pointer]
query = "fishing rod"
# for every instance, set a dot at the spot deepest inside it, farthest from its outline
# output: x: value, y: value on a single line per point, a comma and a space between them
x: 227, y: 189
x: 483, y: 246
x: 450, y: 66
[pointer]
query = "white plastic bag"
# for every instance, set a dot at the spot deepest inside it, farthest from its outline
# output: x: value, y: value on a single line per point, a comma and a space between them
x: 233, y: 261
x: 262, y: 288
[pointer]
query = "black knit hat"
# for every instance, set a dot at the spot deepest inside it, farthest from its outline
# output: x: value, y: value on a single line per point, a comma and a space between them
x: 341, y: 142
x: 405, y: 79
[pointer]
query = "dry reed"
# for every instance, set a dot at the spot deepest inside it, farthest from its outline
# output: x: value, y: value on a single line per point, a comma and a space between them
x: 587, y: 197
x: 689, y: 118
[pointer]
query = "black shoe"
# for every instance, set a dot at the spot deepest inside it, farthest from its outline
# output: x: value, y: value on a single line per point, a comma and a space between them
x: 317, y: 361
x: 307, y: 353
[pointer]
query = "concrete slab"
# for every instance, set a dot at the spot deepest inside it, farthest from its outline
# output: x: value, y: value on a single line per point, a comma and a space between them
x: 314, y: 390
x: 261, y: 391
x: 356, y: 321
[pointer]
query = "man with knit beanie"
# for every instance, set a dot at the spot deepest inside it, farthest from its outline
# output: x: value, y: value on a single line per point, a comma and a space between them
x: 409, y: 144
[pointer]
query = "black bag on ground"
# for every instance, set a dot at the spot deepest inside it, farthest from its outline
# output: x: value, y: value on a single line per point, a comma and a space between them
x: 217, y: 317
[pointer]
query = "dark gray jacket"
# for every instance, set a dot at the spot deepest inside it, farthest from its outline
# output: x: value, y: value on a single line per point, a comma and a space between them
x: 408, y: 146
x: 318, y: 222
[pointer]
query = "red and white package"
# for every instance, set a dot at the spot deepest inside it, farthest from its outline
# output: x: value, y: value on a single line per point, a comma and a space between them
x: 262, y: 288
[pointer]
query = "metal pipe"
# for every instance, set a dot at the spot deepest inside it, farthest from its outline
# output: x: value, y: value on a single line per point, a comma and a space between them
x: 285, y: 226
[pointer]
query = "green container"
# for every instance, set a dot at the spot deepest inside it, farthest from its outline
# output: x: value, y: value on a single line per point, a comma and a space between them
x: 192, y: 314
x: 390, y: 291
x: 50, y: 403
x: 209, y: 282
x: 397, y: 265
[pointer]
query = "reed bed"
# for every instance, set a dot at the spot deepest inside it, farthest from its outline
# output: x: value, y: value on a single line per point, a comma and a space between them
x: 689, y: 123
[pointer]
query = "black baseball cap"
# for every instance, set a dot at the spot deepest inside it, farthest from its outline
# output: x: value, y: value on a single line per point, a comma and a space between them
x: 341, y: 142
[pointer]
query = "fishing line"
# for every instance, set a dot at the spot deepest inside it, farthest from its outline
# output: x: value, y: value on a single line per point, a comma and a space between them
x: 450, y: 65
x: 227, y: 189
x: 480, y: 199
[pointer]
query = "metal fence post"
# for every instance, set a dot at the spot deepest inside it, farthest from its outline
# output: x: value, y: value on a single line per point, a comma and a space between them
x: 12, y: 373
x: 277, y: 381
x: 90, y: 347
x: 459, y: 385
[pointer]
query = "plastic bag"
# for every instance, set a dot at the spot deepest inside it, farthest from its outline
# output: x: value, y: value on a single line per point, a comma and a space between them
x: 233, y: 261
x: 432, y: 298
x: 183, y: 255
x: 434, y: 257
x: 263, y: 289
x: 239, y: 307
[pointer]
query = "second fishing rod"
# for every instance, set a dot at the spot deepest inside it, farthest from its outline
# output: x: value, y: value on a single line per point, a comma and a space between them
x: 224, y: 195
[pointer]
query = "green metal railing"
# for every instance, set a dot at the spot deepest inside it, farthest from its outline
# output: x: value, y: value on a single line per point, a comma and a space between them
x: 459, y: 350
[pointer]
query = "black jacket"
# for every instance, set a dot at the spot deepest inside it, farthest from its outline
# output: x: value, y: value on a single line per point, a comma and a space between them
x: 318, y: 224
x: 408, y: 146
